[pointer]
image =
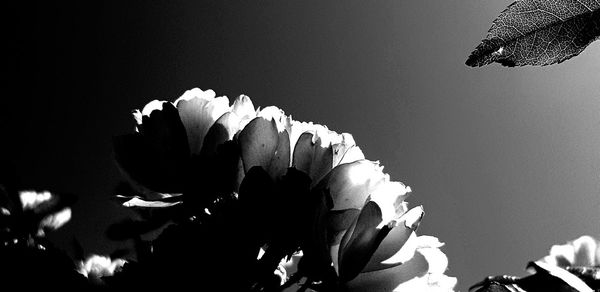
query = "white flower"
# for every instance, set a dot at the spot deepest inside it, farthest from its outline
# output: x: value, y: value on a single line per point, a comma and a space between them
x: 583, y: 251
x: 96, y: 266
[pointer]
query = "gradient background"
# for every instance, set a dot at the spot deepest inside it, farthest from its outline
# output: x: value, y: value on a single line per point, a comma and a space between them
x: 505, y: 161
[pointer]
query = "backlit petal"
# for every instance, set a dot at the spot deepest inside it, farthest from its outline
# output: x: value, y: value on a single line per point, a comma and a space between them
x: 350, y: 184
x: 258, y: 143
x: 360, y: 242
x: 391, y: 279
x: 400, y: 243
x: 198, y: 111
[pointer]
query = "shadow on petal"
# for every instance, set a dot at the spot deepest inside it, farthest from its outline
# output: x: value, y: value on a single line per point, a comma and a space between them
x: 360, y: 242
x: 389, y: 279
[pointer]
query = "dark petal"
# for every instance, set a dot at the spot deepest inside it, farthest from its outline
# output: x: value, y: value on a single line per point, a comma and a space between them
x: 316, y: 262
x: 312, y: 158
x: 164, y: 132
x: 214, y: 176
x: 361, y: 241
x: 155, y: 157
x: 303, y: 152
x: 220, y: 132
x: 281, y: 160
x: 291, y: 203
x: 322, y: 162
x: 258, y: 143
x: 157, y: 172
x: 256, y: 197
x: 392, y: 244
x: 393, y: 278
x: 340, y: 221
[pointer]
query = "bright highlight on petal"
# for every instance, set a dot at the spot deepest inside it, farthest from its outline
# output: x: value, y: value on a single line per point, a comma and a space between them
x: 31, y: 200
x: 583, y: 251
x: 55, y: 221
x: 198, y: 111
x: 97, y: 266
x: 350, y: 184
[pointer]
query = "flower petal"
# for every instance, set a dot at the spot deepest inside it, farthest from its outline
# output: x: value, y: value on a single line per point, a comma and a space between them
x: 141, y: 203
x: 400, y: 243
x: 350, y: 184
x: 31, y: 200
x: 281, y: 159
x: 258, y: 143
x: 360, y: 242
x: 275, y: 114
x: 345, y: 150
x: 198, y: 111
x: 302, y: 157
x: 436, y: 259
x: 156, y: 156
x: 222, y: 130
x: 243, y: 108
x: 322, y: 159
x: 585, y: 249
x: 391, y: 279
x: 339, y: 221
x: 390, y: 196
x: 55, y: 220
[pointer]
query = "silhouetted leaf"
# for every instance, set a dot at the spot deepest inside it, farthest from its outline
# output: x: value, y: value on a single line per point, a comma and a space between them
x: 539, y: 32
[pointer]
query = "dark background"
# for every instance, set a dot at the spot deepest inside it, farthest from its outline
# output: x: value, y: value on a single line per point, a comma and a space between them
x: 505, y: 161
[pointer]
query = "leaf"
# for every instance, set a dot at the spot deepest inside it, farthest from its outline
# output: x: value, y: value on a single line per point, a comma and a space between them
x: 539, y: 32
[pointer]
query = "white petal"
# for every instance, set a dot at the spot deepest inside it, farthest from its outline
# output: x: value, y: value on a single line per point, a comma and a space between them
x: 400, y: 244
x: 436, y: 259
x: 194, y: 93
x: 296, y: 129
x: 31, y: 199
x: 390, y: 195
x: 350, y: 184
x: 150, y: 107
x: 345, y: 150
x: 564, y: 254
x: 276, y: 114
x: 585, y: 249
x: 55, y: 221
x: 138, y: 202
x: 243, y: 108
x: 198, y: 111
x: 353, y: 154
x: 97, y: 266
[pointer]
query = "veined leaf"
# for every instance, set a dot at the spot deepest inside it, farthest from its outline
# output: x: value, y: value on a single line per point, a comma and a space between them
x: 539, y: 32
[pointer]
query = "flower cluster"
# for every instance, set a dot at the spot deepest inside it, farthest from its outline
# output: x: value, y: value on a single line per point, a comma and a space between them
x: 253, y: 195
x: 29, y: 259
x: 26, y: 216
